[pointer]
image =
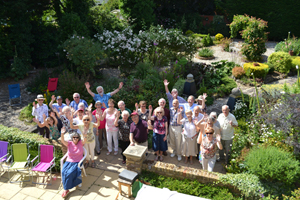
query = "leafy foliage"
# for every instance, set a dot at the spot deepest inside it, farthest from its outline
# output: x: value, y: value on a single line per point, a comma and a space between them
x: 253, y: 33
x: 271, y: 163
x: 206, y: 52
x: 83, y: 53
x: 207, y: 41
x: 259, y: 70
x: 289, y: 44
x: 219, y: 37
x: 186, y: 186
x: 225, y: 43
x: 281, y: 61
x: 39, y: 83
x: 238, y: 72
x: 179, y: 85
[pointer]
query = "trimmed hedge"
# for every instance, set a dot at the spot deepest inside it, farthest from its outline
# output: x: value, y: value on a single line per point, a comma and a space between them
x: 281, y: 15
x: 258, y: 71
x: 15, y: 135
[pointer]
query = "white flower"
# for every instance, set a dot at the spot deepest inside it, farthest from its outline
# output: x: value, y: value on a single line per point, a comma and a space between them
x: 297, y: 67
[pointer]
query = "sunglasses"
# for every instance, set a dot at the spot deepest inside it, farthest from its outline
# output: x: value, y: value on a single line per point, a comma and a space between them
x: 158, y: 112
x: 76, y: 97
x: 86, y: 120
x: 209, y: 133
x: 40, y: 100
x: 75, y: 137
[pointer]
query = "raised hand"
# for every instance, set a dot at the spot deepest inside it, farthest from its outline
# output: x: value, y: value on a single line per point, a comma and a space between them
x: 204, y: 95
x: 118, y: 114
x: 136, y: 106
x: 90, y: 107
x: 52, y: 114
x: 87, y: 85
x: 150, y: 108
x: 180, y: 109
x: 121, y: 85
x: 53, y: 98
x: 34, y: 105
x: 166, y: 83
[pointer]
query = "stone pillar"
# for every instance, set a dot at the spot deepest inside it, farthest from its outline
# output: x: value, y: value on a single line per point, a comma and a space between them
x: 135, y: 156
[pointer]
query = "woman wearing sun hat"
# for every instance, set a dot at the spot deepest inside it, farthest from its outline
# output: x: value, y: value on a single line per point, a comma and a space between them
x: 37, y: 111
x: 201, y: 102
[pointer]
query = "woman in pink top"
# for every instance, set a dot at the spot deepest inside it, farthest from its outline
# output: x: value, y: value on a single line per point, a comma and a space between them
x: 100, y: 131
x: 111, y: 130
x: 71, y: 173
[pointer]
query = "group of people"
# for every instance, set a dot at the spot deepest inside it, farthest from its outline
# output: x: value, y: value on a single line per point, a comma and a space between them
x: 185, y: 127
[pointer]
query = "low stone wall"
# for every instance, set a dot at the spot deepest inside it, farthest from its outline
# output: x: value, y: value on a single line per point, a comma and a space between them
x: 180, y: 172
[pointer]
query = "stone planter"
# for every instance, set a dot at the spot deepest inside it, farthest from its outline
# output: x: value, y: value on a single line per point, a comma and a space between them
x: 204, y: 58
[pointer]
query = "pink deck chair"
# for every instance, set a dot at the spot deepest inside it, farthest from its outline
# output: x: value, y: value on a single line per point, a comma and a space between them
x: 52, y: 84
x: 46, y: 163
x: 3, y: 154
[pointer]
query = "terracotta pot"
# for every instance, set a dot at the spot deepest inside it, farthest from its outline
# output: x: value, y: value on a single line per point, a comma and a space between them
x: 291, y: 52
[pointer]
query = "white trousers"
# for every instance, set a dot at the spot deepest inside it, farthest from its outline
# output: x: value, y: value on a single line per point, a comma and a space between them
x: 90, y: 150
x: 112, y: 135
x: 175, y: 139
x: 209, y: 164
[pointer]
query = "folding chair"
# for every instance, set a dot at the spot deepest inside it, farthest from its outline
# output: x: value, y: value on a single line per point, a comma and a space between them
x: 52, y: 84
x: 80, y: 165
x: 3, y: 154
x: 14, y: 93
x: 47, y: 156
x: 21, y: 160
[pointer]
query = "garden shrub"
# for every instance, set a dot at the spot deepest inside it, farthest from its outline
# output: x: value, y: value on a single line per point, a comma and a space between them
x: 219, y: 37
x: 281, y: 61
x: 248, y: 184
x: 253, y: 32
x: 294, y: 196
x: 288, y: 45
x: 83, y: 53
x: 190, y: 187
x: 295, y: 62
x: 198, y: 35
x: 39, y: 83
x: 26, y: 113
x: 238, y: 72
x: 227, y: 84
x: 273, y: 164
x: 207, y: 41
x: 189, y: 32
x: 179, y: 85
x: 259, y: 71
x: 206, y: 52
x: 69, y: 82
x: 15, y: 135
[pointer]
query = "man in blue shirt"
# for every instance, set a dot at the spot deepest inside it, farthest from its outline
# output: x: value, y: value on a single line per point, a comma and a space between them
x: 77, y: 100
x: 188, y: 106
x: 101, y: 96
x: 173, y: 95
x: 57, y: 105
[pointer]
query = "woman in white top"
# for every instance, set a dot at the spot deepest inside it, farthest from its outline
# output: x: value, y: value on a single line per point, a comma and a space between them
x: 189, y: 141
x: 86, y: 128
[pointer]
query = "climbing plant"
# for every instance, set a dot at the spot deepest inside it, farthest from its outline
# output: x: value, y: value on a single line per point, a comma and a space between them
x: 253, y: 31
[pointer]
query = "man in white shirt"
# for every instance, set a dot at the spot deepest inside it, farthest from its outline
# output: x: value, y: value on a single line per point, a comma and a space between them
x: 228, y: 123
x: 38, y: 110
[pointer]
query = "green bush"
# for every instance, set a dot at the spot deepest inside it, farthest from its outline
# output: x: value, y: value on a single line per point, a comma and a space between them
x: 253, y: 31
x: 26, y: 113
x: 206, y: 52
x: 281, y: 61
x: 248, y: 184
x: 39, y: 83
x: 69, y: 82
x: 190, y: 187
x: 198, y: 35
x: 14, y: 135
x: 273, y: 164
x: 295, y: 62
x: 207, y: 41
x: 227, y: 84
x: 83, y: 53
x: 288, y: 45
x: 189, y: 32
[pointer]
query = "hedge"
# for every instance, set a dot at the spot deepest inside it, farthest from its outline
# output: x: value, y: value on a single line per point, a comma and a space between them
x: 15, y: 135
x: 282, y: 16
x: 258, y: 71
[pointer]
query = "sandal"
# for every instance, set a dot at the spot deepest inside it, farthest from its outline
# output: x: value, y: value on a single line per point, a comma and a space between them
x: 115, y: 153
x: 93, y: 165
x: 65, y: 194
x: 124, y: 162
x: 156, y: 158
x: 161, y: 158
x: 108, y: 153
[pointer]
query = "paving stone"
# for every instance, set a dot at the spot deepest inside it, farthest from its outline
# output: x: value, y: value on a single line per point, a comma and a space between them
x: 108, y: 179
x: 92, y: 193
x: 107, y: 193
x: 47, y: 195
x: 33, y: 192
x: 7, y: 190
x: 19, y: 196
x: 94, y: 171
x: 87, y: 182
